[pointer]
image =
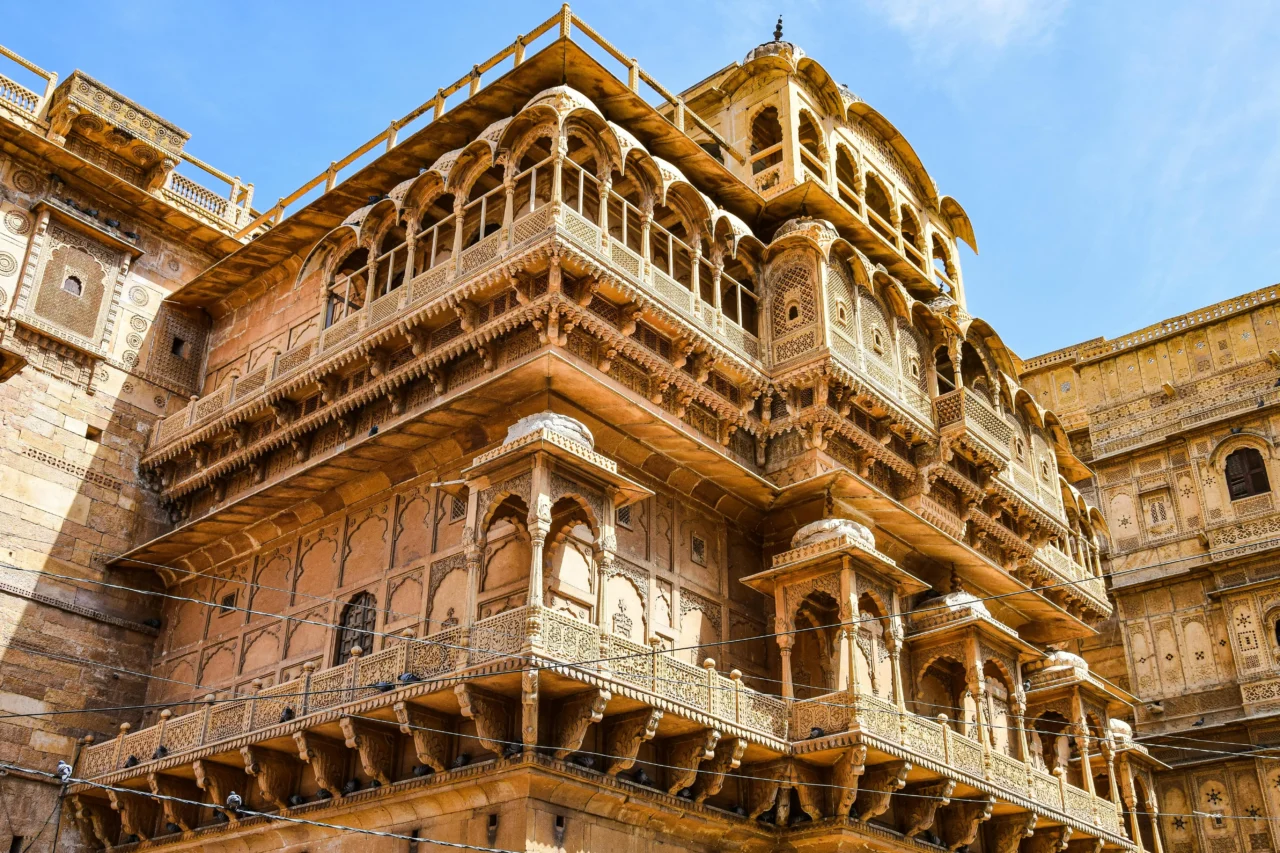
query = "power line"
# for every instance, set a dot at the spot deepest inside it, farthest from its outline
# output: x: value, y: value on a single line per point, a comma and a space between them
x: 794, y: 631
x: 894, y: 711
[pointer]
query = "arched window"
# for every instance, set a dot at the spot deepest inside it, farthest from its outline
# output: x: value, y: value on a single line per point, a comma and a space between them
x: 811, y: 149
x: 72, y: 285
x: 847, y: 178
x: 1246, y: 474
x: 766, y: 140
x: 358, y: 620
x: 877, y: 196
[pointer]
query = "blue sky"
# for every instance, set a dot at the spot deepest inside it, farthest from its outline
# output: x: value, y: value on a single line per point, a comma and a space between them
x: 1120, y: 161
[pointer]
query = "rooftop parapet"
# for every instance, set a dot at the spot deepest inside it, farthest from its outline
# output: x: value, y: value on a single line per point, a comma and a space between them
x: 124, y: 138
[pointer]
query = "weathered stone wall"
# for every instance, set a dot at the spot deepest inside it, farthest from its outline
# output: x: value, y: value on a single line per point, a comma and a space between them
x: 71, y: 434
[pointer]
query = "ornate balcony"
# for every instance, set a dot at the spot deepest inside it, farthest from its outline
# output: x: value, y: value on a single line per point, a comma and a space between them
x: 972, y: 427
x: 417, y: 690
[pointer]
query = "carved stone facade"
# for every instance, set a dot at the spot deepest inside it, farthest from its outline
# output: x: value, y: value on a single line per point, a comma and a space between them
x: 1179, y: 421
x: 543, y: 502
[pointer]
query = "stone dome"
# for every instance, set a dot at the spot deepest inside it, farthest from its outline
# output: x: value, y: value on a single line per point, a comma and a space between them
x: 774, y: 48
x: 561, y: 425
x: 830, y: 528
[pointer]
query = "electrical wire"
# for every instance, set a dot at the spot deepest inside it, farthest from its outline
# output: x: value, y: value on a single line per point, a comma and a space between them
x: 1257, y: 752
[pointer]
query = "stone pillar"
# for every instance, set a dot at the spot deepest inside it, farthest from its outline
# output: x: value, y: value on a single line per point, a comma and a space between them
x: 459, y: 220
x: 785, y: 643
x: 557, y: 170
x: 410, y: 248
x: 646, y: 220
x: 606, y: 186
x: 978, y: 689
x: 509, y: 208
x: 1020, y: 721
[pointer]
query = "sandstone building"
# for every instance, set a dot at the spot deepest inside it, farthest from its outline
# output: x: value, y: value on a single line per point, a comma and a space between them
x: 1179, y: 422
x: 556, y: 471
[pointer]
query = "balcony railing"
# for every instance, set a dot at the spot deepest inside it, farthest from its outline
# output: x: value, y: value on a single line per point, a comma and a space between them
x: 582, y: 651
x: 435, y: 282
x: 501, y: 639
x: 19, y: 98
x: 966, y: 412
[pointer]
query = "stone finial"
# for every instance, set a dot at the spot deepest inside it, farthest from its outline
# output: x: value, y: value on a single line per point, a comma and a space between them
x: 777, y: 31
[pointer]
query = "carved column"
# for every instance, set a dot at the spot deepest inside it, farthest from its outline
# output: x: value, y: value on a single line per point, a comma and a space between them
x: 785, y: 643
x: 459, y: 215
x: 410, y: 247
x: 606, y: 186
x: 646, y: 221
x: 509, y: 208
x: 557, y: 170
x: 978, y: 687
x: 1020, y: 723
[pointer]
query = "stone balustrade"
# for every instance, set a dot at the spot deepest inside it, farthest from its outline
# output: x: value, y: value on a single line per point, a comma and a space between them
x: 581, y: 651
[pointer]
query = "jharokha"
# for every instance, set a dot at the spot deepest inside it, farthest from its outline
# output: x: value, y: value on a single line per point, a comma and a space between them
x: 584, y: 466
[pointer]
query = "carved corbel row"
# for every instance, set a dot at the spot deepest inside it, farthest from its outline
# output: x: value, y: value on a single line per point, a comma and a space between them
x: 685, y: 754
x: 1053, y: 839
x: 137, y: 812
x: 921, y: 807
x: 1006, y: 833
x: 276, y: 773
x: 878, y: 785
x: 577, y: 713
x: 960, y: 820
x: 625, y: 734
x: 170, y: 790
x: 328, y: 761
x: 848, y: 769
x: 491, y: 714
x: 728, y: 756
x: 374, y: 744
x: 429, y: 741
x: 218, y: 781
x: 99, y: 827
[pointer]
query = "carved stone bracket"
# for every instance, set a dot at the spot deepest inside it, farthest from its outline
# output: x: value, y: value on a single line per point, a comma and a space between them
x: 374, y: 744
x: 762, y: 786
x: 845, y: 774
x: 328, y: 761
x: 808, y: 786
x: 878, y: 785
x: 137, y: 812
x: 429, y: 741
x: 960, y: 820
x: 922, y: 806
x: 182, y: 815
x: 575, y: 717
x: 625, y: 733
x: 99, y: 826
x: 1053, y: 839
x: 1086, y: 845
x: 491, y: 714
x: 219, y: 781
x: 1006, y: 833
x: 728, y: 756
x: 685, y: 754
x: 276, y: 773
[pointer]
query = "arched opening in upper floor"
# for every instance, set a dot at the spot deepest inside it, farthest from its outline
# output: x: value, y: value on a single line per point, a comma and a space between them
x: 356, y: 627
x: 813, y: 151
x: 878, y: 203
x: 1246, y: 473
x: 348, y: 287
x: 436, y: 229
x: 815, y: 663
x: 766, y: 140
x: 847, y: 178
